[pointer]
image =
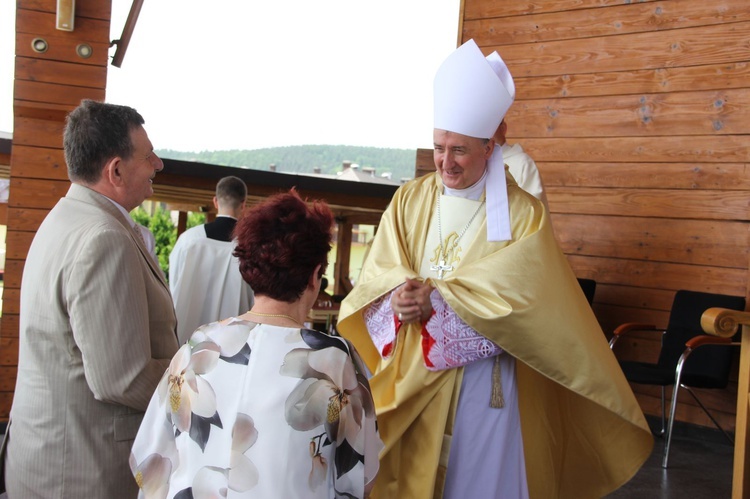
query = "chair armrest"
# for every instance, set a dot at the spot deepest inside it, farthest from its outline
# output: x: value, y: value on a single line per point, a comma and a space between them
x: 622, y: 329
x: 704, y: 339
x: 633, y: 326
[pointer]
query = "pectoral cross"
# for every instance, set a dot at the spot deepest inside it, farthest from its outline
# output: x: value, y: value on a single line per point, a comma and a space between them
x: 441, y: 268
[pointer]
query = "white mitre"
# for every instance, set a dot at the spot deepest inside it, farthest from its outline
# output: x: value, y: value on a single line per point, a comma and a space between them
x: 472, y: 93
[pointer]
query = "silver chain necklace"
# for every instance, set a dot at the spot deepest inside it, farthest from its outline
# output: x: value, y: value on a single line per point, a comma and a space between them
x: 442, y: 267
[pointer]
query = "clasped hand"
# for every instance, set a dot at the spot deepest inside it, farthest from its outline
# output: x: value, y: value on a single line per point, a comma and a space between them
x: 411, y: 301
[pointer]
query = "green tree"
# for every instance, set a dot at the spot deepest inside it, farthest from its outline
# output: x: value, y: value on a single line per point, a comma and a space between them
x: 298, y: 159
x: 165, y: 233
x: 194, y: 219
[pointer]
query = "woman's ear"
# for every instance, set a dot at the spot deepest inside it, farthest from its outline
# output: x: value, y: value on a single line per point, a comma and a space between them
x: 315, y: 277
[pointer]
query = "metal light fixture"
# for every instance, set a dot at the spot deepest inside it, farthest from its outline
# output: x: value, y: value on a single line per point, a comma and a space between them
x: 84, y: 50
x: 39, y: 45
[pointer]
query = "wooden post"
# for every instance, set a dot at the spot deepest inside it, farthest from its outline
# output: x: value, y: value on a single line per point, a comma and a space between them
x: 724, y: 323
x: 740, y: 472
x: 47, y: 85
x: 342, y: 285
x: 181, y: 222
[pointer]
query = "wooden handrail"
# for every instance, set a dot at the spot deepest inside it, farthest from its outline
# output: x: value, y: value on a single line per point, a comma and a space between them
x: 725, y: 323
x: 127, y: 33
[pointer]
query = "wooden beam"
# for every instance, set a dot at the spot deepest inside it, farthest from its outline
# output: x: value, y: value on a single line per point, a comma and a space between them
x: 188, y: 181
x: 724, y: 323
x: 342, y: 284
x: 127, y: 33
x: 181, y: 223
x: 425, y: 162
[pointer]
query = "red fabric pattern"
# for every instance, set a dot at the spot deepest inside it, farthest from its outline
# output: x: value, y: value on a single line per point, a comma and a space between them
x: 388, y: 349
x: 427, y: 342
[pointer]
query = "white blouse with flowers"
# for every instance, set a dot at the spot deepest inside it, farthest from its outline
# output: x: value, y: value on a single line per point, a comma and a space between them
x: 253, y: 410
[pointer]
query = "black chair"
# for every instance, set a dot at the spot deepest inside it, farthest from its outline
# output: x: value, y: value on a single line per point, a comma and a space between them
x: 589, y: 288
x: 688, y: 358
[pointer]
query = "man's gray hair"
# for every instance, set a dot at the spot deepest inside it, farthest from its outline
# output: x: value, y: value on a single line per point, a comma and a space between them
x: 96, y: 132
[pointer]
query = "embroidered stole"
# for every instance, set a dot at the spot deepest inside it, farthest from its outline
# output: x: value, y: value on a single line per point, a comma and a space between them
x: 455, y: 213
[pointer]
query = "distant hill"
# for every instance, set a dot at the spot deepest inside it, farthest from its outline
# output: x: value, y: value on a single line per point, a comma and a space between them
x: 400, y: 163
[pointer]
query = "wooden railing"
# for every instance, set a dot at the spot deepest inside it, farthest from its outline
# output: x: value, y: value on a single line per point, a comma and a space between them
x: 725, y: 323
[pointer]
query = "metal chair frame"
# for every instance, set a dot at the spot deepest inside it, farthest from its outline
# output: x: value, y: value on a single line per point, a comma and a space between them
x: 677, y: 385
x: 673, y: 408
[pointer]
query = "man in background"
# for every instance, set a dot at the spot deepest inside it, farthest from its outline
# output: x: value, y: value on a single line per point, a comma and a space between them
x: 522, y: 166
x: 97, y: 327
x: 204, y: 275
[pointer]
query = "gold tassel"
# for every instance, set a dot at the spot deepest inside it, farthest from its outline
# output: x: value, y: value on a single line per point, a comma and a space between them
x: 497, y: 401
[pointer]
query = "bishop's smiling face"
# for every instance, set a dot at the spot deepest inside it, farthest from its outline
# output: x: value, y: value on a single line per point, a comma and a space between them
x: 460, y: 160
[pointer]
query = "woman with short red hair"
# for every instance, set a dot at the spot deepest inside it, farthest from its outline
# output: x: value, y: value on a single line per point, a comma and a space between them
x: 259, y: 404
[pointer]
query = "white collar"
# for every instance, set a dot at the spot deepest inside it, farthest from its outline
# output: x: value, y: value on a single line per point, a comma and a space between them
x: 123, y: 211
x: 473, y: 192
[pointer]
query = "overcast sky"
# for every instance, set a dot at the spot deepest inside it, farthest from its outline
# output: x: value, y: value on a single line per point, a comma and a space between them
x: 248, y: 74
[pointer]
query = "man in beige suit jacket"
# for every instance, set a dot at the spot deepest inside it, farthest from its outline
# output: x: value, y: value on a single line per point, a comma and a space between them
x: 97, y: 325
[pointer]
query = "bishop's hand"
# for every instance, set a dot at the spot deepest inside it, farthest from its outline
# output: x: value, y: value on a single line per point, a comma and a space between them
x: 411, y: 301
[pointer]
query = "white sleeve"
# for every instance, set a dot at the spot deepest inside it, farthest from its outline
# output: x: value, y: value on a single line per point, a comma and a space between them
x: 381, y: 325
x: 449, y: 342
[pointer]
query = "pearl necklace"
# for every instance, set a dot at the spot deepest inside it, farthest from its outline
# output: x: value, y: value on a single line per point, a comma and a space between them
x: 442, y: 267
x: 283, y: 316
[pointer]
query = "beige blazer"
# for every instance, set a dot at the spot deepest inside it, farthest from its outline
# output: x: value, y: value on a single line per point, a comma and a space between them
x: 97, y: 331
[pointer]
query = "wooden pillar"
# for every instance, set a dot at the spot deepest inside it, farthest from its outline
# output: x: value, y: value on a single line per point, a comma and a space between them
x: 51, y: 78
x: 723, y: 323
x: 342, y: 284
x: 181, y: 222
x: 741, y: 464
x: 740, y: 472
x: 740, y: 478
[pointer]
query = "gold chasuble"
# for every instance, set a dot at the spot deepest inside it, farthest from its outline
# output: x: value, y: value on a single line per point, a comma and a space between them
x: 584, y: 434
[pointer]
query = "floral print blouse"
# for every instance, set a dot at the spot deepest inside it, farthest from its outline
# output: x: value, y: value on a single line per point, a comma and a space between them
x: 253, y: 410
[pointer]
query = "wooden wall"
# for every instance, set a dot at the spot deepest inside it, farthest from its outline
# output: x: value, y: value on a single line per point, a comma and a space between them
x: 47, y: 86
x: 5, y: 148
x: 635, y: 113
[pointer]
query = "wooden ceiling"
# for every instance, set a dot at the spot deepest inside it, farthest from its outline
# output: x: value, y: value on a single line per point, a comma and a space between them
x: 190, y: 186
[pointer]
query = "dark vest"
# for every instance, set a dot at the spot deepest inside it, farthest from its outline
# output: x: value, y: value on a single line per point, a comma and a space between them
x: 220, y: 229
